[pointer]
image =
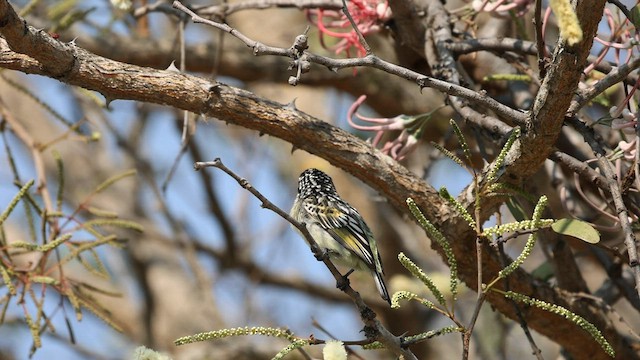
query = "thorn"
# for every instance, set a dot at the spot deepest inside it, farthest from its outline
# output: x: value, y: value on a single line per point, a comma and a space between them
x: 107, y: 101
x: 172, y: 67
x: 422, y: 83
x: 215, y: 88
x: 292, y: 105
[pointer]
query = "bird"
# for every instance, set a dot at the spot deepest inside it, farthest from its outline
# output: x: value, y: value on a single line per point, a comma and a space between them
x: 337, y: 227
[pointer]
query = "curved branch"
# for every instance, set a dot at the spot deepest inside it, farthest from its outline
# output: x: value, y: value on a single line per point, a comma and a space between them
x: 373, y: 61
x: 122, y: 81
x: 380, y: 333
x: 226, y: 9
x: 615, y: 76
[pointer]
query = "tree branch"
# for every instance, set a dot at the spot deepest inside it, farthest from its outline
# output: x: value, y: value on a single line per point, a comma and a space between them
x: 373, y: 61
x: 122, y: 81
x: 368, y: 317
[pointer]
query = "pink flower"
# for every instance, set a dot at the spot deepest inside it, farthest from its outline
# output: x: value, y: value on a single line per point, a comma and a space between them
x: 621, y: 117
x: 501, y: 8
x: 412, y: 127
x: 626, y: 126
x: 628, y: 148
x: 369, y: 16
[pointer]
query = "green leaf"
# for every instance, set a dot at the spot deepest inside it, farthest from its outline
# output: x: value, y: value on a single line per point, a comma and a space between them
x: 508, y: 77
x: 544, y: 272
x: 516, y: 209
x: 635, y: 16
x: 578, y: 229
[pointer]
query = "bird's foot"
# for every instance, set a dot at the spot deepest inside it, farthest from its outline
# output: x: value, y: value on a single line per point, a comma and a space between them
x: 344, y: 282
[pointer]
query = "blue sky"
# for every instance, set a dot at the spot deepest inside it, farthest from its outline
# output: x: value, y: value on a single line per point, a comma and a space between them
x: 187, y: 202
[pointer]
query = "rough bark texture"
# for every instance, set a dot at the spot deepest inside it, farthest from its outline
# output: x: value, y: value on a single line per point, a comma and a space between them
x: 35, y: 52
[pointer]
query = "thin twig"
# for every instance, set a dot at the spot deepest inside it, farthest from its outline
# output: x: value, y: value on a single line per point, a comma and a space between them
x: 371, y: 61
x: 350, y: 351
x: 614, y: 77
x: 158, y: 6
x: 225, y: 9
x: 482, y: 295
x: 608, y: 308
x: 623, y: 216
x: 636, y: 160
x: 185, y: 137
x: 466, y: 336
x: 25, y: 137
x: 616, y: 196
x: 219, y: 47
x: 504, y: 260
x: 361, y: 39
x: 622, y: 8
x: 267, y: 204
x: 580, y: 168
x: 542, y: 64
x: 367, y: 315
x: 258, y: 48
x: 215, y: 208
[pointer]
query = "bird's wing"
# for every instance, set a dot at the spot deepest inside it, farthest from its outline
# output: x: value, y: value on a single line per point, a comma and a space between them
x: 346, y: 226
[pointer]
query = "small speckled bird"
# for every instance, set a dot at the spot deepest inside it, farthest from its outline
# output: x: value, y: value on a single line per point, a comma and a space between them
x: 336, y: 226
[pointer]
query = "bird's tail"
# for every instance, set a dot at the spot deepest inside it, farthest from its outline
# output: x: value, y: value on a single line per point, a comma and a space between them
x: 382, y: 288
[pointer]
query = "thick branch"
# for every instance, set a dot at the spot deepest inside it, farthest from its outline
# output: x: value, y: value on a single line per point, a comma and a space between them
x: 122, y: 81
x: 55, y: 57
x: 557, y: 91
x: 369, y: 60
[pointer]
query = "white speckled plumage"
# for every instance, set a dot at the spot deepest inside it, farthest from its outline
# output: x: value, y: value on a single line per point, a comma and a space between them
x: 336, y: 226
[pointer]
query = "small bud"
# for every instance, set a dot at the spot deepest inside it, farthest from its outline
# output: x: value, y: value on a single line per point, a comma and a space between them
x: 301, y: 43
x: 628, y: 115
x: 305, y: 66
x: 383, y: 11
x: 613, y: 112
x: 124, y: 5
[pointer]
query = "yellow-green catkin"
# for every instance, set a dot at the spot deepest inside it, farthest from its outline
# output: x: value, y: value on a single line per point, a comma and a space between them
x: 334, y: 350
x: 568, y: 23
